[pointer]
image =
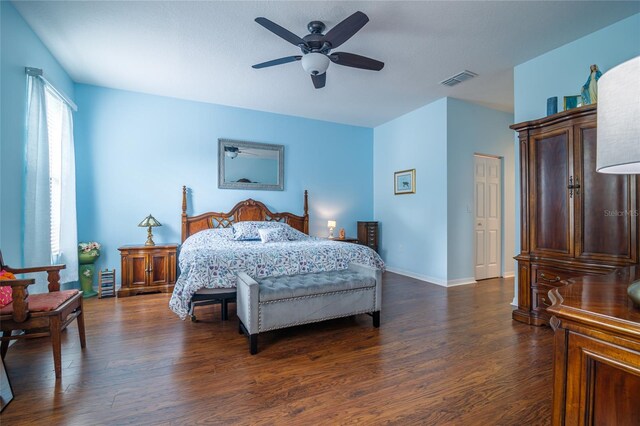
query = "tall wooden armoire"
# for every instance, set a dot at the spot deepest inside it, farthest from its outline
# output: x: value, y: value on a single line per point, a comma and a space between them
x: 574, y: 220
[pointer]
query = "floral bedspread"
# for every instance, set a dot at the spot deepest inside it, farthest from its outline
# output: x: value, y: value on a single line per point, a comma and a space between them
x: 212, y: 258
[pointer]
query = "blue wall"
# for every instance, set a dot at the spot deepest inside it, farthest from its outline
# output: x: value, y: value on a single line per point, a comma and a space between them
x: 429, y: 235
x: 20, y: 48
x: 562, y: 72
x: 135, y: 151
x: 475, y: 129
x: 413, y: 227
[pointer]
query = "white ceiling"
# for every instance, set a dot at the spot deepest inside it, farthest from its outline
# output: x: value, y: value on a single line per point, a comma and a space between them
x: 203, y: 51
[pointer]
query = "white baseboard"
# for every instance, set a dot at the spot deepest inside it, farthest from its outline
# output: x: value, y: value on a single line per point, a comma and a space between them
x: 461, y: 281
x: 430, y: 280
x: 433, y: 280
x: 508, y: 274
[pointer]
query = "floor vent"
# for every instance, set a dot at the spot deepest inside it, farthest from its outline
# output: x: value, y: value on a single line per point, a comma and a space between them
x: 459, y: 78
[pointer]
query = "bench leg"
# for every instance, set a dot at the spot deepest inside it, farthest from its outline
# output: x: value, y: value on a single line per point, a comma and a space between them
x: 253, y: 344
x: 376, y: 319
x: 253, y: 338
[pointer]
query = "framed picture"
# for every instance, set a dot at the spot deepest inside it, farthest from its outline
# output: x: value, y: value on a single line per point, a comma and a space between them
x: 571, y: 102
x: 404, y: 182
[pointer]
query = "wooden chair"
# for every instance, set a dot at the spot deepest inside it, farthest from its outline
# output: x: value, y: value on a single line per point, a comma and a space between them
x: 53, y: 272
x: 40, y: 315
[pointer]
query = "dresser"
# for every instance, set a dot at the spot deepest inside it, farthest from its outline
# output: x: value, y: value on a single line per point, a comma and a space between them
x: 147, y: 269
x: 368, y: 234
x: 574, y: 221
x: 596, y: 372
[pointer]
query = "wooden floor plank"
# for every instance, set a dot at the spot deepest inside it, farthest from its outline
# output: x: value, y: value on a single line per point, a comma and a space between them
x: 441, y: 356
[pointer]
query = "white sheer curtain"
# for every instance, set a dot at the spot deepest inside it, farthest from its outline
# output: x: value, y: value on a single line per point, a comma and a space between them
x: 50, y: 169
x: 37, y: 200
x: 67, y: 234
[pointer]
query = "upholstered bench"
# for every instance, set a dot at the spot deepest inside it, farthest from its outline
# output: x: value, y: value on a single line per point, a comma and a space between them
x: 278, y: 302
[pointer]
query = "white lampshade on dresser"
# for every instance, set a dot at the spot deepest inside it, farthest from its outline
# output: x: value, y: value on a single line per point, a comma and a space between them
x: 618, y: 149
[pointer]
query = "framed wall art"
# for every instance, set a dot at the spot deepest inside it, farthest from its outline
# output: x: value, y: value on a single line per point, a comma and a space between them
x: 404, y: 182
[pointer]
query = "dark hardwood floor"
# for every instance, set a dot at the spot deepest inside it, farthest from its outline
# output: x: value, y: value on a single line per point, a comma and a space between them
x: 441, y: 356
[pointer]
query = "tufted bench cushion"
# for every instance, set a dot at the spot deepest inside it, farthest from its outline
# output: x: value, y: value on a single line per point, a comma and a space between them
x: 279, y: 302
x: 288, y: 286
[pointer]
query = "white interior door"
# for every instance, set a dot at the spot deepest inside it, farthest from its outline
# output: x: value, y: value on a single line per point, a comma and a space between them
x: 488, y: 222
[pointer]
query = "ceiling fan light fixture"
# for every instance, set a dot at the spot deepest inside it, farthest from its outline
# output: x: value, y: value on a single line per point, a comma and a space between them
x: 315, y: 63
x: 231, y: 151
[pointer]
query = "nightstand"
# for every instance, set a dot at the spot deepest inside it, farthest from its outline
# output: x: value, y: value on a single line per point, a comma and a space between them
x: 368, y: 234
x: 147, y: 269
x: 344, y: 240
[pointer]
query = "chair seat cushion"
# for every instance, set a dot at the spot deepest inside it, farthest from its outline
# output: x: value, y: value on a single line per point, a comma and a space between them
x: 6, y: 292
x: 43, y: 302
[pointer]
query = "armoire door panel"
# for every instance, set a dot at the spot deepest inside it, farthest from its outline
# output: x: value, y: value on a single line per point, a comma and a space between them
x: 604, y: 207
x: 552, y: 211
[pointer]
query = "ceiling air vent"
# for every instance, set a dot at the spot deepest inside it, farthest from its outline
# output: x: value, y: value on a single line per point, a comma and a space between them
x: 459, y: 78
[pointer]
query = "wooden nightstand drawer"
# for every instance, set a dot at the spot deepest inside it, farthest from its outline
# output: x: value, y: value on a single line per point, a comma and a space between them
x: 148, y: 269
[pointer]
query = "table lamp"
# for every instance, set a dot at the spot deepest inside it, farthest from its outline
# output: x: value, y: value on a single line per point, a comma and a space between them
x: 332, y: 225
x: 618, y: 132
x: 150, y: 222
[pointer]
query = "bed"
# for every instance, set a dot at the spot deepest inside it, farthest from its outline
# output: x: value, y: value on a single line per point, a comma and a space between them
x: 211, y: 257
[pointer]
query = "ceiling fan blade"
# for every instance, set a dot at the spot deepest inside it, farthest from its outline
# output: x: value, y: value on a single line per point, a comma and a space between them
x: 277, y: 61
x: 279, y: 31
x: 319, y: 80
x: 345, y: 29
x: 356, y: 61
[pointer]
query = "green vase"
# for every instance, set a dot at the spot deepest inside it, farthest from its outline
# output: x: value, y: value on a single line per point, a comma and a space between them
x: 86, y: 271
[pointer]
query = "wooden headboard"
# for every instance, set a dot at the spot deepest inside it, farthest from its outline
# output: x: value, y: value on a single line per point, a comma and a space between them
x: 244, y: 210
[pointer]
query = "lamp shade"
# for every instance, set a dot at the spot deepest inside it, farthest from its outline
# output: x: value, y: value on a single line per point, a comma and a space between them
x: 331, y: 224
x: 618, y: 149
x: 149, y: 221
x: 315, y: 63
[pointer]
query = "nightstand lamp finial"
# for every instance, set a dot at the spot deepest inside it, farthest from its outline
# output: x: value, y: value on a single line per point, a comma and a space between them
x: 150, y: 222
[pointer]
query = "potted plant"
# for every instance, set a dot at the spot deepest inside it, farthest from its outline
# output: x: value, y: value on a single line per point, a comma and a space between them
x: 88, y: 253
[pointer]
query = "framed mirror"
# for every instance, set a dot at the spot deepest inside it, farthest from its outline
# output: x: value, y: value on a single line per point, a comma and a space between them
x: 250, y: 165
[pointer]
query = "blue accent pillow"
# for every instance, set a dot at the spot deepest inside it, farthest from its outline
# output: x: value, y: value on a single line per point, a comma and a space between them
x: 273, y: 235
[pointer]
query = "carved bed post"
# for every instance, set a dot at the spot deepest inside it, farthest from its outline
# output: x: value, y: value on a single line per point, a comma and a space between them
x: 306, y: 212
x: 184, y: 213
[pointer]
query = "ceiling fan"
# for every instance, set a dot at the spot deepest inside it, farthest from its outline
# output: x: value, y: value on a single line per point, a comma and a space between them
x: 232, y: 152
x: 316, y: 47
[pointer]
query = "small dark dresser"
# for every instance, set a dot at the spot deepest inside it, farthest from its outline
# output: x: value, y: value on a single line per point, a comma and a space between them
x: 368, y: 234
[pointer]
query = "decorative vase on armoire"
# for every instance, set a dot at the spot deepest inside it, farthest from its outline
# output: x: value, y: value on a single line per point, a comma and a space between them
x: 88, y: 253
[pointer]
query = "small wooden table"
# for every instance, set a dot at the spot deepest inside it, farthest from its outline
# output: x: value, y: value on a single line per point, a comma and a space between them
x: 596, y: 351
x: 147, y: 269
x: 344, y: 240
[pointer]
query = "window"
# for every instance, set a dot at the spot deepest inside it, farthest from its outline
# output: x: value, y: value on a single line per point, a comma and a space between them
x: 54, y: 107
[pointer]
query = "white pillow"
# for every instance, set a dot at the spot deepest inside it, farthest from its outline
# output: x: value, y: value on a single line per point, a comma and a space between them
x: 248, y: 230
x: 273, y: 235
